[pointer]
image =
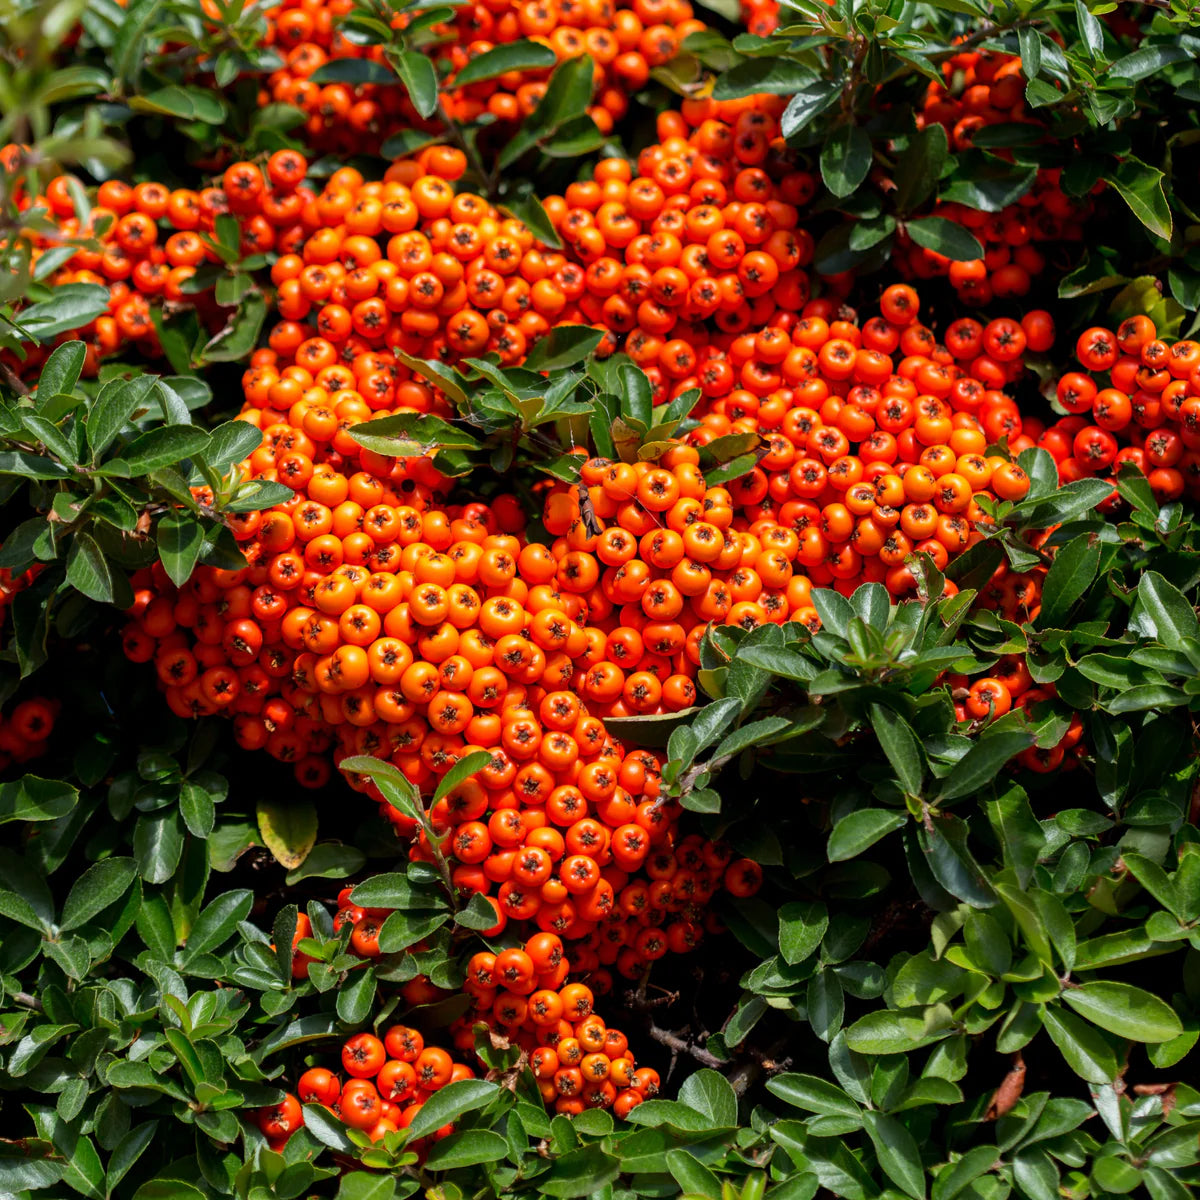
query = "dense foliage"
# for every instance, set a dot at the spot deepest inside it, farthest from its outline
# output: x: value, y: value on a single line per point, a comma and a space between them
x: 876, y: 831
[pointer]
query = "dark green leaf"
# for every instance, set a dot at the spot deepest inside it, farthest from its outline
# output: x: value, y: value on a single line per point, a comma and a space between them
x: 802, y: 925
x: 982, y: 763
x: 164, y: 447
x: 710, y: 1093
x: 355, y: 997
x: 30, y: 466
x: 565, y: 346
x: 845, y: 159
x: 1086, y: 1052
x: 1141, y: 187
x: 1125, y: 1010
x: 72, y: 305
x: 102, y: 884
x: 451, y: 1102
x: 512, y: 56
x: 116, y: 402
x: 420, y: 80
x: 352, y: 70
x: 857, y: 831
x: 466, y: 1149
x: 897, y: 1151
x: 901, y: 746
x: 920, y: 166
x: 945, y: 237
x: 1070, y: 575
x: 88, y: 570
x: 61, y: 371
x: 180, y: 540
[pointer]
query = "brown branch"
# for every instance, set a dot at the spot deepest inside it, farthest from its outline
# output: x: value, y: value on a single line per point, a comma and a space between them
x: 9, y: 376
x: 680, y: 1045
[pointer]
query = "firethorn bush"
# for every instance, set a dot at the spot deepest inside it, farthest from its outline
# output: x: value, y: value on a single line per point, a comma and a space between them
x: 598, y: 598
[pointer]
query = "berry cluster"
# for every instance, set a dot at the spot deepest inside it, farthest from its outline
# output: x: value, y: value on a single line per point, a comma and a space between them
x: 408, y: 264
x: 984, y: 88
x: 624, y: 39
x: 1134, y: 403
x: 696, y: 242
x: 147, y: 243
x: 522, y: 994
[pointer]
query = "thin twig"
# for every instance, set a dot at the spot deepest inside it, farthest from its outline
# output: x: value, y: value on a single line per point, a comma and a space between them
x: 683, y: 1046
x: 13, y: 381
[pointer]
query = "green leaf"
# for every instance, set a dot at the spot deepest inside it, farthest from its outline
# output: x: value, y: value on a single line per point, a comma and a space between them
x: 1017, y: 831
x: 354, y: 998
x: 466, y: 1149
x: 565, y: 346
x: 197, y: 809
x: 692, y: 1175
x: 218, y: 921
x: 88, y: 570
x: 512, y: 56
x: 240, y: 333
x: 845, y: 159
x: 779, y: 76
x: 945, y: 237
x: 802, y: 925
x: 920, y: 166
x: 527, y: 208
x: 61, y: 371
x: 1125, y: 1010
x: 1090, y: 30
x: 164, y: 447
x: 857, y: 831
x: 982, y: 763
x: 710, y: 1093
x: 1141, y: 187
x: 32, y: 798
x: 1086, y: 1052
x: 394, y: 890
x: 813, y: 1094
x: 328, y: 860
x: 897, y: 1151
x: 420, y: 80
x: 409, y: 435
x: 808, y: 101
x: 72, y: 305
x: 127, y: 1151
x: 735, y: 468
x: 366, y: 1185
x: 986, y: 182
x: 1075, y: 566
x: 288, y: 828
x: 31, y: 466
x: 352, y: 70
x: 116, y: 402
x: 901, y: 746
x: 329, y: 1131
x: 944, y: 841
x: 180, y: 541
x: 1147, y: 61
x: 258, y: 494
x: 451, y: 1102
x: 158, y: 845
x: 230, y: 443
x: 1163, y: 612
x: 584, y: 1172
x: 102, y: 884
x: 892, y: 1032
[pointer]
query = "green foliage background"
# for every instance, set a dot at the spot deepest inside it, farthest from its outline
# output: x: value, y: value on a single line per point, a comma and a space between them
x: 934, y: 931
